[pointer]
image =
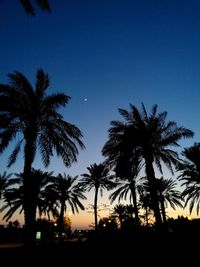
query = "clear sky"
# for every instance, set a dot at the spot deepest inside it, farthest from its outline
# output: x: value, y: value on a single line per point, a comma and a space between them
x: 106, y: 54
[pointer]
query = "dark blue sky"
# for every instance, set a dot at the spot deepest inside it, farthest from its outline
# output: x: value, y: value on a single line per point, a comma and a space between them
x: 112, y: 52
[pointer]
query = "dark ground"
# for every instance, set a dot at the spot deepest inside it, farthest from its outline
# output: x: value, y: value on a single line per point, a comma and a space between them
x: 149, y: 249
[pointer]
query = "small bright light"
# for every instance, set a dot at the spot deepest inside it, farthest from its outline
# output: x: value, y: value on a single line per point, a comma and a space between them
x: 70, y: 213
x: 38, y: 235
x: 190, y: 218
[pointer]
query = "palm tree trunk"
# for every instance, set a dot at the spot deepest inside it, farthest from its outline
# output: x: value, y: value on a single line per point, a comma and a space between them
x: 153, y: 190
x: 29, y: 210
x: 95, y: 208
x: 29, y: 201
x: 133, y: 193
x: 162, y: 203
x: 61, y: 218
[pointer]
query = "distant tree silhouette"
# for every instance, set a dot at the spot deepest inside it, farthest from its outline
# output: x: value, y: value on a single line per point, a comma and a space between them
x: 108, y: 223
x: 167, y: 194
x: 124, y: 215
x: 29, y: 7
x: 66, y: 191
x: 130, y: 209
x: 150, y: 137
x: 14, y: 194
x: 126, y: 185
x: 66, y: 227
x: 31, y: 117
x: 189, y: 169
x: 145, y: 201
x: 119, y: 211
x: 98, y: 178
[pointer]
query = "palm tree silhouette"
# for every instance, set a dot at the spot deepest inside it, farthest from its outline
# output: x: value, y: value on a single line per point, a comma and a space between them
x: 13, y: 196
x: 119, y: 211
x: 66, y: 191
x: 189, y: 169
x: 145, y: 201
x: 98, y: 178
x: 127, y: 167
x: 4, y: 178
x: 150, y: 138
x: 167, y: 194
x: 128, y: 185
x: 30, y: 116
x: 29, y: 8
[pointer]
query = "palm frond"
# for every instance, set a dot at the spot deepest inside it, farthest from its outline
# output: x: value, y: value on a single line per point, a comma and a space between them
x: 30, y: 10
x: 14, y: 154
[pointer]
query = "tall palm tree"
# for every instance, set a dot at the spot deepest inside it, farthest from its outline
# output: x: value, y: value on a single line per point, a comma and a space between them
x: 66, y: 191
x: 98, y: 178
x: 29, y: 8
x: 150, y: 138
x: 189, y: 169
x: 31, y: 117
x: 13, y: 196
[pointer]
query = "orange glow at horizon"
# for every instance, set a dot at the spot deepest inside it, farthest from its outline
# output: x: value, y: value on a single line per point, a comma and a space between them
x: 85, y: 219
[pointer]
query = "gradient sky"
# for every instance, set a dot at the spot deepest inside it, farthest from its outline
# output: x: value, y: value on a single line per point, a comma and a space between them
x: 112, y: 53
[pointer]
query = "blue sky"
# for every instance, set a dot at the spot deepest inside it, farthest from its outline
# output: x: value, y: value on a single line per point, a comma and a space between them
x: 112, y: 52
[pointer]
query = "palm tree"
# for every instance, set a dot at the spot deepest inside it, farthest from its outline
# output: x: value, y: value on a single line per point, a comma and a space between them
x: 126, y: 185
x: 4, y: 178
x: 127, y: 167
x: 168, y: 194
x: 29, y: 8
x: 65, y: 191
x: 119, y: 211
x: 30, y: 116
x: 145, y: 201
x: 14, y: 193
x: 189, y: 169
x: 98, y: 178
x: 150, y: 138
